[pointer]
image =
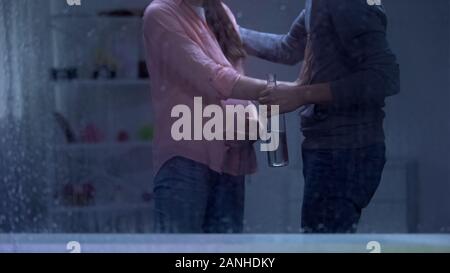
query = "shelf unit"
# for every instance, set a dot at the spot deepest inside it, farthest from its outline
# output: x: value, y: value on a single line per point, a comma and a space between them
x: 123, y: 83
x: 104, y: 146
x: 111, y: 103
x: 96, y: 209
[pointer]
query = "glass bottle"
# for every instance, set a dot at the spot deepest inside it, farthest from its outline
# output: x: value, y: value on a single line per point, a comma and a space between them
x: 279, y: 157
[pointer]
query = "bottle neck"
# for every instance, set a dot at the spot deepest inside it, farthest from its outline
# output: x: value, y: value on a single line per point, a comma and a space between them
x: 272, y: 80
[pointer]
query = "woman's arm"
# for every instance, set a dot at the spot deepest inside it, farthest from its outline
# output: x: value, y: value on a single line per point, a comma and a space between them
x: 247, y: 88
x: 184, y: 57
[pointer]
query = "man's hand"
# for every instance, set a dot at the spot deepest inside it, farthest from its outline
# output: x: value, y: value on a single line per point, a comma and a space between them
x: 288, y: 96
x: 291, y: 96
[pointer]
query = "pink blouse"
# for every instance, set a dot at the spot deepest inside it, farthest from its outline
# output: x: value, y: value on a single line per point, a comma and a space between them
x: 185, y: 61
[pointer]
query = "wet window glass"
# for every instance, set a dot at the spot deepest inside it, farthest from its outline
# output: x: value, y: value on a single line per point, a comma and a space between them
x: 88, y: 97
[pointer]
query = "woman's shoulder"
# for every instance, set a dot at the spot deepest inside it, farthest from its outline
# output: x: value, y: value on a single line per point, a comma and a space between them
x: 160, y: 12
x: 160, y: 8
x: 156, y: 8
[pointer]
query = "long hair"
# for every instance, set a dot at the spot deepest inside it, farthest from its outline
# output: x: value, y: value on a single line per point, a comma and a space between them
x: 224, y: 30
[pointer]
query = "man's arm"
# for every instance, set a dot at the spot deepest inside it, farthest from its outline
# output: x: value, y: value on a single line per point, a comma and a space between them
x: 286, y: 49
x: 361, y: 29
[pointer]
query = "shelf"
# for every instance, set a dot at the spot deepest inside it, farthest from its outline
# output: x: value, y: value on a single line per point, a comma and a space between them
x: 144, y: 83
x: 103, y: 208
x: 104, y: 146
x: 85, y: 17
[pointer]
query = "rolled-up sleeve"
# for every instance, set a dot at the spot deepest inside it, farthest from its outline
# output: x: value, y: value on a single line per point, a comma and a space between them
x: 181, y: 55
x: 286, y: 49
x: 361, y: 29
x: 223, y: 80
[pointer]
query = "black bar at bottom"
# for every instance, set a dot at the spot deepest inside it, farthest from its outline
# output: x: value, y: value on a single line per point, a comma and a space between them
x: 220, y: 262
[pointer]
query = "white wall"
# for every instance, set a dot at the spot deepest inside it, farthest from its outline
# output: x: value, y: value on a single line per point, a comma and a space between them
x: 418, y: 123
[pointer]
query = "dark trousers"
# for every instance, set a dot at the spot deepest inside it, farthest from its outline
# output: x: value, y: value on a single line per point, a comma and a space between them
x: 191, y: 198
x: 339, y: 184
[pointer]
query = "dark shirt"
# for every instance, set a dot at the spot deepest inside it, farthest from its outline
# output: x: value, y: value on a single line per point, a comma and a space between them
x: 342, y: 42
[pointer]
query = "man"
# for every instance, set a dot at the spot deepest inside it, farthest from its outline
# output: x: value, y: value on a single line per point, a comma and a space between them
x: 348, y: 72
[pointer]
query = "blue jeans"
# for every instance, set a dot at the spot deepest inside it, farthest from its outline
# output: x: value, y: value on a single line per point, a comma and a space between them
x: 191, y: 198
x: 338, y: 185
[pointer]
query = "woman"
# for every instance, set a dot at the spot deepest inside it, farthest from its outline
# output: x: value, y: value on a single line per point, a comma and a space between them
x: 193, y: 49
